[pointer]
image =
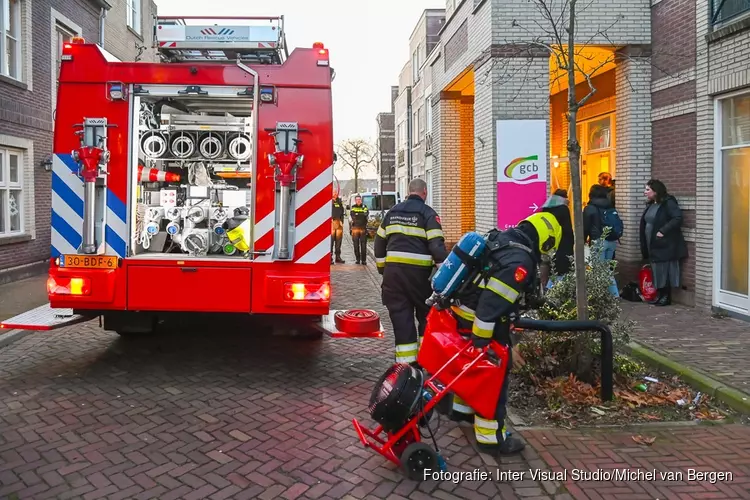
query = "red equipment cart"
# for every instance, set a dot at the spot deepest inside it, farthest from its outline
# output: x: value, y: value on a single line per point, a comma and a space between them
x: 456, y: 367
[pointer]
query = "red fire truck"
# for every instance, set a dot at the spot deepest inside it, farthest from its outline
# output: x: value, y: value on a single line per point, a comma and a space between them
x: 198, y: 184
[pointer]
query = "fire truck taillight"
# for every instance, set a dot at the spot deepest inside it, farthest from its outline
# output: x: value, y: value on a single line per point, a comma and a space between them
x: 77, y: 39
x: 320, y: 292
x: 68, y: 286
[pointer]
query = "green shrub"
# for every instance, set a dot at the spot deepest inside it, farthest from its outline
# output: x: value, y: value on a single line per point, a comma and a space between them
x: 555, y: 354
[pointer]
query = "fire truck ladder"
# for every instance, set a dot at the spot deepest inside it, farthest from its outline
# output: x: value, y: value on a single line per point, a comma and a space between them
x: 232, y: 40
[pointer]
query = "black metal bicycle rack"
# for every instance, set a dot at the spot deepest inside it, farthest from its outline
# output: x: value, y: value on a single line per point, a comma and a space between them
x: 607, y: 354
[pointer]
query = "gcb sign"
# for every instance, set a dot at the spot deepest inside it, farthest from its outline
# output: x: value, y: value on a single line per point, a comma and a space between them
x: 523, y: 169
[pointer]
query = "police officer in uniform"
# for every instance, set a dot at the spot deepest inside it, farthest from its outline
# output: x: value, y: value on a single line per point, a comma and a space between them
x: 485, y: 304
x: 359, y: 214
x: 337, y: 227
x: 408, y: 243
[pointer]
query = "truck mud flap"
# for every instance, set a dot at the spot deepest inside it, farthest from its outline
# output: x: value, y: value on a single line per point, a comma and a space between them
x: 353, y: 323
x: 43, y: 318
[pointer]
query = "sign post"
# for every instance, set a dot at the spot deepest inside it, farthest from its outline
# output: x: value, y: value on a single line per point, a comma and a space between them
x: 521, y: 169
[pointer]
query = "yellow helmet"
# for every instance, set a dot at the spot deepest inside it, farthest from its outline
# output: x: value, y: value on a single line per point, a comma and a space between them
x: 548, y: 229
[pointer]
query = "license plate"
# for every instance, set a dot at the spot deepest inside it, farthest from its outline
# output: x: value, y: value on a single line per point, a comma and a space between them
x: 89, y: 261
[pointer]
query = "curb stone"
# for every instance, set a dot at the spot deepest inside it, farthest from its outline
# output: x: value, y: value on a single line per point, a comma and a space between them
x: 733, y: 398
x: 12, y: 336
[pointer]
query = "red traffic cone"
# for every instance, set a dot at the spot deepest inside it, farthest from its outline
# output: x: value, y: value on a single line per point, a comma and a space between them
x: 155, y: 175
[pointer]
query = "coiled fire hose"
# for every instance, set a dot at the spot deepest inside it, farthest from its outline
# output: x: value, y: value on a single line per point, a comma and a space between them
x: 357, y: 321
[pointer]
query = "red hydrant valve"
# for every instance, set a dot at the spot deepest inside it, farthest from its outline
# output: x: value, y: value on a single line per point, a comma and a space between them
x: 89, y: 157
x: 285, y: 163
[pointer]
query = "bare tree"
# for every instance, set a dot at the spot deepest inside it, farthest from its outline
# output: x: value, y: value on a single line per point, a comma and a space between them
x: 554, y: 33
x: 357, y: 155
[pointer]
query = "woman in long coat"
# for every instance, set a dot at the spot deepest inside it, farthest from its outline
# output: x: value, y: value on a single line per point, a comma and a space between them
x: 662, y: 242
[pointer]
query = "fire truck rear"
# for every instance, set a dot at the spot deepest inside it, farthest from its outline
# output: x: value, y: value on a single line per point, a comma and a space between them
x: 201, y: 184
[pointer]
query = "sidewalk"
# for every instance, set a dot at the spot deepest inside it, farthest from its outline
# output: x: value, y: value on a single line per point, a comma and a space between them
x: 20, y: 296
x: 698, y: 345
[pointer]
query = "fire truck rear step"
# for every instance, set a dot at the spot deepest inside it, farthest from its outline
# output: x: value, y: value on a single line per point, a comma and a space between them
x: 43, y: 318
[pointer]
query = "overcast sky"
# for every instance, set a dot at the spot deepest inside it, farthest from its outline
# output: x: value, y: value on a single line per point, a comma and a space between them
x: 368, y: 42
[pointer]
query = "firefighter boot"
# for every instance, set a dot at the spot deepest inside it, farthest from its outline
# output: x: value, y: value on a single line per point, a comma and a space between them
x: 495, y: 440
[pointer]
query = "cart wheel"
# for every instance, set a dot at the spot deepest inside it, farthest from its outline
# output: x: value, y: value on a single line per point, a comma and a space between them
x: 417, y: 458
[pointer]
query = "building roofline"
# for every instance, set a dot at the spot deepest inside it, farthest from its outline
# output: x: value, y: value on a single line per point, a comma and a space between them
x: 102, y: 3
x: 425, y: 13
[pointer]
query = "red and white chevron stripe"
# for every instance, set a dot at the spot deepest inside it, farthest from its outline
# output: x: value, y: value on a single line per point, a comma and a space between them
x: 312, y: 219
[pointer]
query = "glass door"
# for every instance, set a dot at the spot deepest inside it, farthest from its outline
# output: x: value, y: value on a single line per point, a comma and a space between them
x: 597, y: 149
x: 733, y: 203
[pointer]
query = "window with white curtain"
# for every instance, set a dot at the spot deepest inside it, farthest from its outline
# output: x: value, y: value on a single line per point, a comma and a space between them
x: 11, y: 191
x: 11, y: 44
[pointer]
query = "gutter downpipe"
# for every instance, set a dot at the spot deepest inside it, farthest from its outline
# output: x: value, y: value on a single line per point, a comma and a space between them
x: 102, y: 16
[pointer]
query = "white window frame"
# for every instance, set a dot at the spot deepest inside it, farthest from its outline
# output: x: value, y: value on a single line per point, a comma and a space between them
x: 59, y: 23
x: 6, y: 186
x: 415, y: 66
x: 17, y: 35
x: 134, y: 14
x: 428, y: 180
x: 428, y: 115
x: 725, y: 299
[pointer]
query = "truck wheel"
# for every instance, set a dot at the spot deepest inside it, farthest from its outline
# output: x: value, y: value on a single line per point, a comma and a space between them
x: 130, y: 324
x: 297, y: 328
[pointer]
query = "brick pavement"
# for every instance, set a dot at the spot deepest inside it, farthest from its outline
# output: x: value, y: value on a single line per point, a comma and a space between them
x: 719, y: 347
x: 209, y: 412
x: 676, y: 448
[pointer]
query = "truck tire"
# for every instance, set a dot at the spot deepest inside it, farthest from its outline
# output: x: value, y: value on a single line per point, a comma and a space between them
x: 128, y: 324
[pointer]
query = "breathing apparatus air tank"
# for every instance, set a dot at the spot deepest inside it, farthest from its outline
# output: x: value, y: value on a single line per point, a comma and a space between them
x: 237, y: 229
x: 456, y: 267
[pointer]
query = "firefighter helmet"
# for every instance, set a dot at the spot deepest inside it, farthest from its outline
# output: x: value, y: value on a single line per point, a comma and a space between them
x: 548, y: 230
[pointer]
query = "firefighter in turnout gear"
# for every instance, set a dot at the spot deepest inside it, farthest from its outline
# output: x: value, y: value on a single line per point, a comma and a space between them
x: 337, y: 227
x: 486, y: 303
x: 408, y: 243
x: 359, y: 214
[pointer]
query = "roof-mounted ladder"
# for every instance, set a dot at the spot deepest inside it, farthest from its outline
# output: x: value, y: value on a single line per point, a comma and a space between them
x: 202, y: 40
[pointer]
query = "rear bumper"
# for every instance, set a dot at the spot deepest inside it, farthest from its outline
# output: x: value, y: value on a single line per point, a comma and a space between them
x: 197, y: 286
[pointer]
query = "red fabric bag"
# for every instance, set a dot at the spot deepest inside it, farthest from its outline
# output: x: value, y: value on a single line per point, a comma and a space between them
x: 480, y: 386
x: 646, y: 284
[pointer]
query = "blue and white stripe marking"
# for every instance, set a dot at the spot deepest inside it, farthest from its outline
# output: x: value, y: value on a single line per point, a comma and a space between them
x: 67, y: 212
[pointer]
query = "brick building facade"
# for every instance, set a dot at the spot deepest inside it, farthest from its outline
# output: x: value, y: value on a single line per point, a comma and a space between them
x: 670, y: 102
x: 129, y: 30
x: 35, y: 33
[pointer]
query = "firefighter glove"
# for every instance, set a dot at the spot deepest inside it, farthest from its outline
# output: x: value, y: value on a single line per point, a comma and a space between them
x: 480, y: 342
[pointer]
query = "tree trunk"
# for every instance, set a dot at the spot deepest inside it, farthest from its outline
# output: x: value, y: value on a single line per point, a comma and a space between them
x: 356, y: 180
x: 574, y: 159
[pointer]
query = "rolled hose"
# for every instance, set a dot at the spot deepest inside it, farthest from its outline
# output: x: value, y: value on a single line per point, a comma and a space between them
x: 357, y: 321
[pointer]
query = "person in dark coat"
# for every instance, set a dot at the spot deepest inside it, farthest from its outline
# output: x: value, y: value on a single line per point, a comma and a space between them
x: 558, y: 205
x: 605, y: 179
x: 599, y: 200
x: 662, y: 241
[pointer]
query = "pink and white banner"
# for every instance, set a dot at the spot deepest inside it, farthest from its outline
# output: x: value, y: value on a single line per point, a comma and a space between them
x: 521, y: 169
